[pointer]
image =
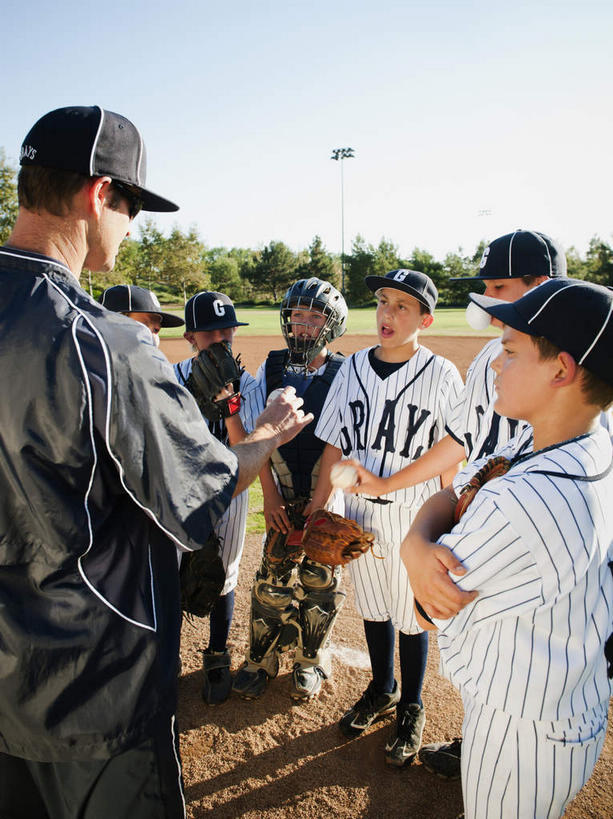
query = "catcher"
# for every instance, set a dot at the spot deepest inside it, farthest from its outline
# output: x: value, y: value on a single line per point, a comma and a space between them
x: 230, y: 403
x: 284, y: 613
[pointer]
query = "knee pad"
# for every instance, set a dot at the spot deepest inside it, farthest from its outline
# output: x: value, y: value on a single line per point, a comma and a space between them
x: 315, y: 576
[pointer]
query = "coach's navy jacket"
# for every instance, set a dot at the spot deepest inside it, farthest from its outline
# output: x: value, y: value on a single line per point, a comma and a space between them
x: 105, y: 467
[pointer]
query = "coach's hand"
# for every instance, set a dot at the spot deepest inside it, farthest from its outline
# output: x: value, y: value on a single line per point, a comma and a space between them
x: 284, y: 416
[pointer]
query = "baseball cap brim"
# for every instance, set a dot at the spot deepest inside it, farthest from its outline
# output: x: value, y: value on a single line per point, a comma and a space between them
x: 153, y: 202
x: 375, y: 283
x: 168, y: 320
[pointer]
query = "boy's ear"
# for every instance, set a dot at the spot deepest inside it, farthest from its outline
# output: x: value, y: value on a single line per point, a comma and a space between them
x: 426, y: 320
x: 567, y: 370
x: 188, y: 336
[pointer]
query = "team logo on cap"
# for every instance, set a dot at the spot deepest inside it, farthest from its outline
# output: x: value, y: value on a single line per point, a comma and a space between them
x: 27, y: 151
x: 400, y: 275
x: 219, y: 308
x: 486, y: 253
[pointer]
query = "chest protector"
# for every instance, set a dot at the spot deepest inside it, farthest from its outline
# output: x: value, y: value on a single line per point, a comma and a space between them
x: 295, y: 462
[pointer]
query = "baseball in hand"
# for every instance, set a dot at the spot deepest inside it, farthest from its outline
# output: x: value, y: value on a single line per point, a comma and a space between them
x: 342, y: 475
x: 274, y: 394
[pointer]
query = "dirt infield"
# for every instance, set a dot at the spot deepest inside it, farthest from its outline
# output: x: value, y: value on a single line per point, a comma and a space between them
x: 274, y: 758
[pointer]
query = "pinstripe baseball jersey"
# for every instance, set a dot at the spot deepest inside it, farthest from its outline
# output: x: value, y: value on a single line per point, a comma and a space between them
x: 387, y: 423
x: 230, y: 528
x: 536, y: 543
x: 473, y: 422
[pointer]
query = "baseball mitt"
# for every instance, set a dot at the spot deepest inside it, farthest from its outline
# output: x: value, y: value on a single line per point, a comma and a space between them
x: 202, y: 576
x: 494, y: 468
x: 334, y: 540
x: 213, y: 370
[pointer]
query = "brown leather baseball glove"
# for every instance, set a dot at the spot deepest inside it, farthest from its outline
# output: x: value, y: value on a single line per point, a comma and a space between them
x: 334, y: 540
x: 494, y: 468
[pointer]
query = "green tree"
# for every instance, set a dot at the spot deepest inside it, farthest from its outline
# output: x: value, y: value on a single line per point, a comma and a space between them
x: 151, y: 255
x: 319, y: 263
x: 599, y: 262
x: 225, y: 277
x: 183, y: 266
x: 455, y: 265
x: 274, y: 271
x: 8, y: 197
x: 358, y: 264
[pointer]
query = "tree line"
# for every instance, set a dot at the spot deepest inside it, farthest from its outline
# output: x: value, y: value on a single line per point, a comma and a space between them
x: 180, y: 264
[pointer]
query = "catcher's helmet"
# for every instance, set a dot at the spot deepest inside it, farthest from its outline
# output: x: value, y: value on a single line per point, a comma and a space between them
x: 312, y: 294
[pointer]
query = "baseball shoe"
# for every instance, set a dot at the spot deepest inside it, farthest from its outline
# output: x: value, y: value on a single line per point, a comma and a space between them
x: 443, y: 758
x: 306, y: 681
x: 370, y: 707
x: 217, y: 684
x: 249, y: 681
x: 406, y: 739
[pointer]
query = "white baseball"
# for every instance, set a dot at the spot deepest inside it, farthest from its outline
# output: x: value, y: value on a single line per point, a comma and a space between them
x: 476, y: 317
x: 342, y: 475
x: 274, y: 394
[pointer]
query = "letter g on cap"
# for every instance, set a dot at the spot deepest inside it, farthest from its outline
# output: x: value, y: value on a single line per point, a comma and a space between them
x: 219, y: 308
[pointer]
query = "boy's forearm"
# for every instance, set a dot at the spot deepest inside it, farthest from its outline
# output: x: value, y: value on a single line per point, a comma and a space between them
x: 443, y: 457
x: 436, y: 515
x: 323, y: 489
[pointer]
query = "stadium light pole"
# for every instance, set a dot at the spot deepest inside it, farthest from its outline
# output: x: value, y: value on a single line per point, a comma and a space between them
x: 342, y: 154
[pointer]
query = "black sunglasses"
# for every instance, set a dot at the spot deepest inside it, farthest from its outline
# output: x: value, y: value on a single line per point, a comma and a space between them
x: 131, y: 195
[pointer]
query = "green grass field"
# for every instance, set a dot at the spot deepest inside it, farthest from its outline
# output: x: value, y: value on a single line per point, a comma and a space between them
x: 448, y: 321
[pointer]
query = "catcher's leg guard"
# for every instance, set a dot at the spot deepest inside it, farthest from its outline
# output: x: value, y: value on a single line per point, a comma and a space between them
x: 273, y: 626
x: 320, y: 603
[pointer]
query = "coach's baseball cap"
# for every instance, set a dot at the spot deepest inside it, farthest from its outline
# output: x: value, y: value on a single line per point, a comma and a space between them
x: 517, y: 254
x: 416, y: 284
x: 129, y: 298
x: 209, y: 310
x: 94, y: 142
x: 575, y: 315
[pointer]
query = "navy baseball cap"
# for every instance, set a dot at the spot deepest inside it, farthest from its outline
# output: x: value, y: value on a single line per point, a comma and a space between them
x: 129, y: 298
x: 94, y: 142
x: 575, y: 315
x: 209, y: 310
x: 416, y: 284
x: 517, y: 254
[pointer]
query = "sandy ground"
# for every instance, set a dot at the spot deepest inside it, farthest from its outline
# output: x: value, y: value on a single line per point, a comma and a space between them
x: 275, y: 758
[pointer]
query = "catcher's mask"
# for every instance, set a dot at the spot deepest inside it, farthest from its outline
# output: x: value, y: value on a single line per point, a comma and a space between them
x: 317, y: 295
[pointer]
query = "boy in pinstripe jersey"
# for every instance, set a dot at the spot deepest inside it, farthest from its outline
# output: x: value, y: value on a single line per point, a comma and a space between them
x: 528, y: 652
x: 511, y: 265
x: 386, y: 405
x: 210, y: 317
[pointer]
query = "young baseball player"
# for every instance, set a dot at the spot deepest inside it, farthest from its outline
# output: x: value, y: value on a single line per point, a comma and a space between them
x: 528, y: 653
x: 141, y: 305
x: 389, y: 404
x: 210, y: 317
x: 511, y: 265
x: 313, y: 313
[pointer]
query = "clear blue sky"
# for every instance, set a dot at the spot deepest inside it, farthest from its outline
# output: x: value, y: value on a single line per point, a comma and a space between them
x: 468, y: 119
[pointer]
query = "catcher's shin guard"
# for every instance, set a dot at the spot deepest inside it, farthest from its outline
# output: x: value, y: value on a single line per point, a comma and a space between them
x: 320, y: 604
x: 273, y: 626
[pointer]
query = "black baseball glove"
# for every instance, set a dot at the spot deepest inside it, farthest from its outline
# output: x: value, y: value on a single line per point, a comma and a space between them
x: 213, y: 370
x: 202, y: 576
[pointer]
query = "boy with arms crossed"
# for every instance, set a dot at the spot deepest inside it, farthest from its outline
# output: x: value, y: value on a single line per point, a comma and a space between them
x: 528, y: 653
